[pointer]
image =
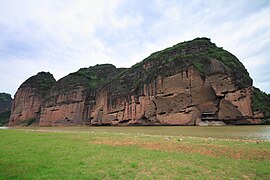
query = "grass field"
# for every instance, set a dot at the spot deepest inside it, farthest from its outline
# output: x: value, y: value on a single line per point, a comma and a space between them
x: 52, y: 154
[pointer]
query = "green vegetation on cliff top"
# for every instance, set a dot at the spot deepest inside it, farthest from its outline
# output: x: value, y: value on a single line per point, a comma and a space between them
x: 97, y: 75
x: 197, y: 53
x: 5, y: 97
x: 94, y: 77
x: 42, y: 82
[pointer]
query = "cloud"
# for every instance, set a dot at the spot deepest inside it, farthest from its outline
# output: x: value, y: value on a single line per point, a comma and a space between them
x: 64, y: 35
x: 54, y: 36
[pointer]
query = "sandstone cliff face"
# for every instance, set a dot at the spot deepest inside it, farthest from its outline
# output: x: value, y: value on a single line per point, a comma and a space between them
x: 73, y: 98
x: 180, y: 99
x: 176, y: 86
x: 27, y: 101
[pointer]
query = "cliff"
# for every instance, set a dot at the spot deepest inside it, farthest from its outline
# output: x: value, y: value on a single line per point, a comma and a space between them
x: 72, y: 99
x: 26, y: 107
x: 5, y: 107
x: 186, y: 84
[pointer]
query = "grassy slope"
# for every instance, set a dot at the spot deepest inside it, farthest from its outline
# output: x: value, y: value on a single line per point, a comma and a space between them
x: 85, y: 155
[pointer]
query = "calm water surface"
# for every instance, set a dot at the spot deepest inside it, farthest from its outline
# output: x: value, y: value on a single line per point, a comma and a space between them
x: 231, y: 132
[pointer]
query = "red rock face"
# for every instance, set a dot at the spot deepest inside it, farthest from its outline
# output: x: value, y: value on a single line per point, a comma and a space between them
x: 179, y: 99
x: 175, y: 100
x: 164, y: 90
x: 241, y: 99
x: 26, y: 105
x: 69, y: 109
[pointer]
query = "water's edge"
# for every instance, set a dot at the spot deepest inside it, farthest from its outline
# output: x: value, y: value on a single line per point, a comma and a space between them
x: 261, y: 132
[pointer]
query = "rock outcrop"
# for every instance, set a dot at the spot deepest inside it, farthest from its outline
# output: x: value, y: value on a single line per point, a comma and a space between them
x: 181, y: 85
x: 73, y: 98
x: 26, y: 107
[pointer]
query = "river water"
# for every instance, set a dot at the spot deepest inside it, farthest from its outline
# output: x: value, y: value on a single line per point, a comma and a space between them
x: 224, y: 132
x: 230, y: 132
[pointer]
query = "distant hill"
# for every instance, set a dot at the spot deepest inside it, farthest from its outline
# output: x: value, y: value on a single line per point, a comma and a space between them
x: 5, y: 108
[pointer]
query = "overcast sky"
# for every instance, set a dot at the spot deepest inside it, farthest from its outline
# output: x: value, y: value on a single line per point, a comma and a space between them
x: 61, y: 36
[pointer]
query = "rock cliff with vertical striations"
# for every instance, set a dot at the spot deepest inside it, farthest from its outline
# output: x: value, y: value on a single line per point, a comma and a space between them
x: 73, y: 98
x: 26, y: 107
x: 185, y: 84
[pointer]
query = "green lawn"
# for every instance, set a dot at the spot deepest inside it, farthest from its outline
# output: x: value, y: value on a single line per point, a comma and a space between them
x: 29, y: 154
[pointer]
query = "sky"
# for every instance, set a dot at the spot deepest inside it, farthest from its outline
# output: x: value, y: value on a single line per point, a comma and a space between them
x: 61, y: 36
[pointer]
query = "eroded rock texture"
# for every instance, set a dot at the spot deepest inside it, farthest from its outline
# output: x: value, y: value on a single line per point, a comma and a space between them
x: 28, y: 98
x: 176, y: 86
x: 73, y: 98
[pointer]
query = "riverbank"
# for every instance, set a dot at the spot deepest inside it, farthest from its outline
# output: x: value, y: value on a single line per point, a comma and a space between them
x: 110, y: 153
x: 258, y: 132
